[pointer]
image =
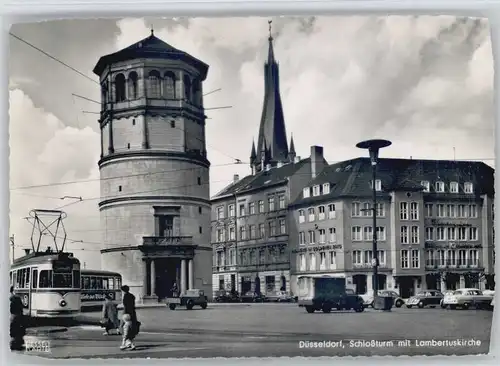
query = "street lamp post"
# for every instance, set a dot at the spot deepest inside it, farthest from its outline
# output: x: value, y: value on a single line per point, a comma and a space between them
x: 373, y: 147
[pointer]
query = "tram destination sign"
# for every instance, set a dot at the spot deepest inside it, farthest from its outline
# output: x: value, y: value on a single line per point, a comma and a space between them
x: 317, y: 249
x: 62, y: 267
x: 93, y: 296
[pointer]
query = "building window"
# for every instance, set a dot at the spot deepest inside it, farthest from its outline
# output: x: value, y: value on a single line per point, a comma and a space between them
x: 262, y: 231
x: 415, y: 258
x: 200, y: 230
x: 322, y: 236
x: 462, y: 233
x: 132, y: 85
x: 451, y: 258
x: 414, y: 235
x: 312, y: 237
x: 429, y: 233
x: 302, y: 216
x: 220, y: 212
x: 172, y: 124
x: 451, y: 210
x: 473, y: 258
x: 154, y: 84
x: 462, y: 211
x: 426, y: 186
x: 367, y: 210
x: 473, y: 211
x: 331, y: 211
x: 272, y: 228
x: 332, y: 235
x: 282, y: 226
x: 312, y: 261
x: 440, y: 187
x: 306, y: 192
x: 128, y: 146
x: 311, y: 214
x: 322, y: 261
x: 242, y: 210
x: 378, y: 185
x: 381, y: 233
x: 251, y: 208
x: 404, y: 235
x: 357, y: 257
x: 367, y: 233
x: 414, y: 211
x: 404, y: 259
x: 356, y: 233
x: 169, y: 85
x: 119, y: 188
x: 302, y: 238
x: 355, y: 209
x: 252, y: 232
x: 220, y: 235
x: 441, y: 234
x: 368, y: 256
x: 473, y: 234
x: 333, y: 262
x: 231, y: 210
x: 452, y: 233
x: 321, y: 215
x: 270, y: 202
x: 462, y: 257
x: 200, y: 210
x: 302, y: 262
x: 428, y: 210
x: 232, y: 233
x: 381, y: 257
x: 326, y: 188
x: 199, y: 181
x: 440, y: 210
x: 403, y: 210
x: 261, y: 206
x: 380, y: 209
x: 453, y: 187
x: 316, y: 191
x: 281, y: 201
x: 468, y: 187
x: 243, y: 233
x: 441, y: 257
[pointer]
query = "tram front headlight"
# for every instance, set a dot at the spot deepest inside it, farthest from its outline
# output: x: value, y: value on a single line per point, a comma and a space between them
x: 62, y: 303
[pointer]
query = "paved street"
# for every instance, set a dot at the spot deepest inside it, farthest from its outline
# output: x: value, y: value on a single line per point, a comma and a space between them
x: 272, y: 330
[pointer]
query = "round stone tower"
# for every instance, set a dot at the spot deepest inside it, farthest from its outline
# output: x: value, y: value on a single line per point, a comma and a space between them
x: 155, y: 203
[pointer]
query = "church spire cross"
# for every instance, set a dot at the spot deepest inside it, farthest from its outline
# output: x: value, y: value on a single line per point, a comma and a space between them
x: 270, y: 22
x: 152, y: 30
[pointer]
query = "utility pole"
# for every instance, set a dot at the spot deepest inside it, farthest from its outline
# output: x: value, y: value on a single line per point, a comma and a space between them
x: 13, y: 247
x: 236, y: 242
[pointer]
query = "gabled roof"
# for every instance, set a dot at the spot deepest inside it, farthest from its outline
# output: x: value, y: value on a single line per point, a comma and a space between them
x: 150, y: 47
x: 351, y: 178
x: 262, y: 179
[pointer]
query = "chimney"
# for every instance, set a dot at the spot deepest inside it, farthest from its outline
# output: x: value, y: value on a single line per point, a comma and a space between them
x: 27, y: 251
x: 236, y: 178
x: 316, y: 160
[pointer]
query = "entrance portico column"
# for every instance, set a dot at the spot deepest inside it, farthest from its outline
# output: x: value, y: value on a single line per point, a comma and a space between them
x: 183, y: 275
x: 190, y: 274
x: 153, y: 277
x: 146, y: 279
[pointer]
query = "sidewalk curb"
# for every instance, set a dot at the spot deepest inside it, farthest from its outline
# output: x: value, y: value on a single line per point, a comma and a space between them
x: 45, y: 330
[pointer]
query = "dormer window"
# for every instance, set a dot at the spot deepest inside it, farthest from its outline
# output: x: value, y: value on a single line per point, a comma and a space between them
x: 426, y: 185
x: 453, y: 187
x: 306, y: 192
x: 468, y: 187
x: 316, y: 191
x: 326, y: 188
x: 440, y: 187
x: 378, y: 185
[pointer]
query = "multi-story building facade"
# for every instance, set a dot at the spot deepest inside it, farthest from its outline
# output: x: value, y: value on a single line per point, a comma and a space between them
x: 249, y: 217
x: 434, y: 225
x: 155, y: 206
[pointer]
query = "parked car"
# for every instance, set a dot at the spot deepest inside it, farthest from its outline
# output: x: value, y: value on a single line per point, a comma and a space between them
x: 425, y: 298
x: 445, y: 293
x: 227, y: 296
x: 466, y: 297
x: 368, y: 298
x: 189, y: 299
x: 251, y: 296
x: 280, y: 296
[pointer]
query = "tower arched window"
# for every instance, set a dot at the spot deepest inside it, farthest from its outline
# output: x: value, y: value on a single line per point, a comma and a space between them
x: 104, y: 94
x: 187, y: 88
x: 132, y: 85
x: 169, y: 85
x: 120, y: 88
x: 197, y: 92
x: 154, y: 87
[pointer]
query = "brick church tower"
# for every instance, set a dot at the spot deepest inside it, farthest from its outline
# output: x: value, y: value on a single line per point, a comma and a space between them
x: 155, y: 203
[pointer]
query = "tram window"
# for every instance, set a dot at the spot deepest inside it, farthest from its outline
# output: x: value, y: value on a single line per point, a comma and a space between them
x: 105, y: 283
x: 118, y: 283
x: 86, y: 283
x: 14, y: 279
x: 63, y: 280
x: 27, y: 277
x: 111, y: 283
x: 45, y: 278
x: 93, y: 283
x: 99, y: 283
x: 20, y: 278
x: 76, y: 279
x: 10, y: 278
x: 35, y: 278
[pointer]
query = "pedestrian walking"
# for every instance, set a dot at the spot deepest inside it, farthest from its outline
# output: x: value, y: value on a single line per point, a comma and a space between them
x: 110, y: 319
x: 17, y: 326
x: 128, y: 333
x: 175, y: 290
x: 129, y: 308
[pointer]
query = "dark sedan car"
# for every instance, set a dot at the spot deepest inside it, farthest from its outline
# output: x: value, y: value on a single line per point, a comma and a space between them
x: 253, y: 297
x: 226, y: 296
x: 425, y: 298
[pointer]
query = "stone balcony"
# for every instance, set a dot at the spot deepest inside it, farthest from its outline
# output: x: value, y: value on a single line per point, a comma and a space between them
x: 163, y: 241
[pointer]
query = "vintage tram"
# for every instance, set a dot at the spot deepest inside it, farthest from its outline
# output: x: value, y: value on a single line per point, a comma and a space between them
x: 48, y: 283
x: 96, y: 285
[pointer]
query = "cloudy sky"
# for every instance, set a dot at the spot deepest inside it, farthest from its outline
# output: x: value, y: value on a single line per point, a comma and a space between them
x: 426, y: 83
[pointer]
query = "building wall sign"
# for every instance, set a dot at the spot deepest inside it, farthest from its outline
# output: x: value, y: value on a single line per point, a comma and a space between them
x: 437, y: 222
x: 459, y: 245
x: 317, y: 249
